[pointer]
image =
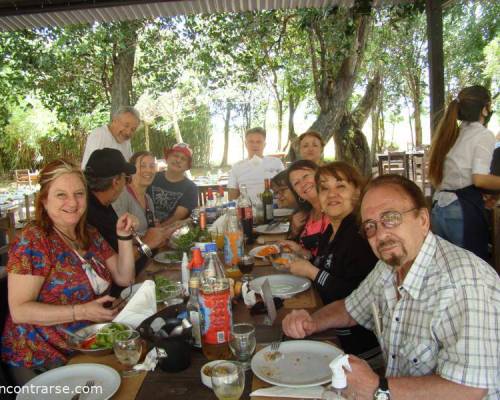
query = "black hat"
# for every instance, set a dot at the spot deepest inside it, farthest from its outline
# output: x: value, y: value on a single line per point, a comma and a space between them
x: 104, y: 163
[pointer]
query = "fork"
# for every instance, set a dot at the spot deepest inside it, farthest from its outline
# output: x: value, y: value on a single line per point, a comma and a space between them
x: 145, y: 249
x: 90, y: 383
x: 272, y: 225
x: 275, y: 346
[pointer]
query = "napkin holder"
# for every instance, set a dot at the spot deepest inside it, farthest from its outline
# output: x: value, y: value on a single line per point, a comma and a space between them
x: 177, y: 348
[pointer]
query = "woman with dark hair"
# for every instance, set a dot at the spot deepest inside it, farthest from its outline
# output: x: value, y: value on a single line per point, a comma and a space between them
x: 459, y: 167
x: 59, y: 272
x: 310, y: 146
x: 301, y: 182
x: 344, y: 257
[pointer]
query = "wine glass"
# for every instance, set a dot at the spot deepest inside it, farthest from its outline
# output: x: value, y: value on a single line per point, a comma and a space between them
x: 228, y: 380
x: 246, y: 264
x: 242, y: 343
x: 128, y: 349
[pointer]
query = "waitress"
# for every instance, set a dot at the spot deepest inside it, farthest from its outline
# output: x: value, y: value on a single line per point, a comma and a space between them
x: 459, y: 167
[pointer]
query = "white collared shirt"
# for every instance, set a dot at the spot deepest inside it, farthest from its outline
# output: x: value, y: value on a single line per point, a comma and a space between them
x: 471, y: 154
x: 252, y: 172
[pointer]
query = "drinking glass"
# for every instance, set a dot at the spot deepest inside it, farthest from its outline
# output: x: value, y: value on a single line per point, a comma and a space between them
x: 246, y: 264
x: 171, y: 294
x: 128, y: 350
x: 228, y: 380
x: 242, y: 343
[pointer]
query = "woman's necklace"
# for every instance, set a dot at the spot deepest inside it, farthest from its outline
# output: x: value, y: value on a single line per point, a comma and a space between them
x: 73, y: 242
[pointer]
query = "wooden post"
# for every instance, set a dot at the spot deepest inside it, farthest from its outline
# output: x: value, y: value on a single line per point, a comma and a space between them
x: 434, y: 13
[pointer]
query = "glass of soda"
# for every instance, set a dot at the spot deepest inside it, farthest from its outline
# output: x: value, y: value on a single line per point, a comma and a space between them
x: 246, y: 264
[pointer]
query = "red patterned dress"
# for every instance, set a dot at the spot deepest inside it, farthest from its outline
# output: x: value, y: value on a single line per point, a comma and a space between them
x: 65, y: 282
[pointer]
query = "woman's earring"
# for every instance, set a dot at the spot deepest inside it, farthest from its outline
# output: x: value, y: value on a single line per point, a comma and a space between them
x: 301, y: 200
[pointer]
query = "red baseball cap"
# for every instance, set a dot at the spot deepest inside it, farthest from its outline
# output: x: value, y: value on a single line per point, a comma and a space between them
x: 180, y: 148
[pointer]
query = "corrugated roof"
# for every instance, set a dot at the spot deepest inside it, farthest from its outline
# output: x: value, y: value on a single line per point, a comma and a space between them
x: 22, y: 14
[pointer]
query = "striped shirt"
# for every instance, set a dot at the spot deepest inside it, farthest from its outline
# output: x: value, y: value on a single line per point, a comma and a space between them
x: 446, y: 321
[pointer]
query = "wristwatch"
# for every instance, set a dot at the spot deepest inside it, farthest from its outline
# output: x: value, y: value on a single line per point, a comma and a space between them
x: 382, y: 393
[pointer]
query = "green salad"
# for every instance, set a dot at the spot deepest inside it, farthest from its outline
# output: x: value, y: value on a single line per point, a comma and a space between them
x: 163, y: 285
x: 104, y: 337
x: 185, y: 242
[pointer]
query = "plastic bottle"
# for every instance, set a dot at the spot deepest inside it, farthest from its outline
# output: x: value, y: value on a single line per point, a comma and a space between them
x: 204, y: 235
x: 245, y: 214
x: 233, y: 238
x: 193, y: 310
x: 215, y: 307
x: 267, y: 202
x: 185, y: 273
x: 336, y: 391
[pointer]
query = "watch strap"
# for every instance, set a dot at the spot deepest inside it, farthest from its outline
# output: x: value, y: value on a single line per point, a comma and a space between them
x: 383, y: 384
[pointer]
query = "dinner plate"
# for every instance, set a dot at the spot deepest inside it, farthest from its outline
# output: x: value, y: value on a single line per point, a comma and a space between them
x: 282, y: 285
x: 167, y: 257
x: 256, y: 250
x: 301, y: 363
x: 62, y: 382
x: 280, y: 228
x: 282, y: 212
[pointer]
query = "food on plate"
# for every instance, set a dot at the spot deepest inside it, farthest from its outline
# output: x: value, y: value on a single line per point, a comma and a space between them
x: 208, y: 370
x: 163, y: 285
x: 104, y: 337
x: 281, y: 260
x: 267, y: 251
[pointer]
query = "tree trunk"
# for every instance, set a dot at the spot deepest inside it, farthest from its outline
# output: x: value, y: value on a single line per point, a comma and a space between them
x: 292, y: 107
x: 123, y: 64
x: 227, y: 119
x: 177, y: 130
x: 333, y: 95
x: 146, y: 136
x: 417, y: 116
x: 350, y: 142
x: 280, y: 122
x: 375, y: 134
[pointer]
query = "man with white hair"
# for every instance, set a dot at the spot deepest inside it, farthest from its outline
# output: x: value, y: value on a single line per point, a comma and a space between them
x: 115, y: 135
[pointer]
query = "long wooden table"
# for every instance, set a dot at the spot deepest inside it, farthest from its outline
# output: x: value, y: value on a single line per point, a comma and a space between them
x: 163, y: 385
x: 160, y: 384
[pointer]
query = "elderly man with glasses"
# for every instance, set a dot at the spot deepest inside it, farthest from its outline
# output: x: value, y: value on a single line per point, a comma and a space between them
x: 434, y: 306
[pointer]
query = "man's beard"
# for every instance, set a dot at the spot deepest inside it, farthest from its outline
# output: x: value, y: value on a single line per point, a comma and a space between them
x: 393, y: 259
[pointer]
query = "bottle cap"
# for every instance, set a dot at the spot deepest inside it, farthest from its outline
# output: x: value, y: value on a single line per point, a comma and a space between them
x: 197, y: 259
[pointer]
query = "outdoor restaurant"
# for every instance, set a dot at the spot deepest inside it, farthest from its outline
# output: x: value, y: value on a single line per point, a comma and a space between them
x: 172, y: 240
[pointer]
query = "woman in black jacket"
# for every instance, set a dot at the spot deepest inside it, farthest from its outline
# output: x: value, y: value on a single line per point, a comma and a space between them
x: 345, y: 258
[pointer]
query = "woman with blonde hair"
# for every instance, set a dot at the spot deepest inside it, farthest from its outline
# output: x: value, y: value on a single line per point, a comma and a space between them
x: 59, y: 271
x: 459, y: 166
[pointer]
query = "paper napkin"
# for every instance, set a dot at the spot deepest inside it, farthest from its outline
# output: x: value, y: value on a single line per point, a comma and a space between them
x: 141, y: 306
x: 151, y: 360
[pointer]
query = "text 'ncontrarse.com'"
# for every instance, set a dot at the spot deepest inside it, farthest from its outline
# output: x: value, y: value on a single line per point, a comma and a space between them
x: 50, y: 389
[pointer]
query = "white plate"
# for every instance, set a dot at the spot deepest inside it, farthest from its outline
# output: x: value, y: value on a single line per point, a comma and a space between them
x: 281, y: 228
x: 303, y: 363
x: 167, y: 257
x: 255, y: 251
x: 106, y: 381
x: 282, y: 285
x: 282, y: 212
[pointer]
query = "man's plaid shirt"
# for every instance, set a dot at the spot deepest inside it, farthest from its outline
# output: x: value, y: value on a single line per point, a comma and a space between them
x: 447, y: 320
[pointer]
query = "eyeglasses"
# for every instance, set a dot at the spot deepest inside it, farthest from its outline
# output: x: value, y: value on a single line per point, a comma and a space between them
x: 388, y: 219
x: 280, y: 192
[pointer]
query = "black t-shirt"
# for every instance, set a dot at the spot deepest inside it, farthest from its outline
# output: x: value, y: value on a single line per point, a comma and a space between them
x: 168, y: 195
x: 104, y: 218
x: 344, y: 263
